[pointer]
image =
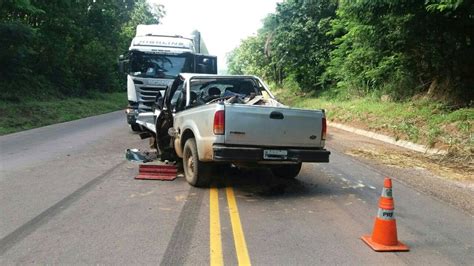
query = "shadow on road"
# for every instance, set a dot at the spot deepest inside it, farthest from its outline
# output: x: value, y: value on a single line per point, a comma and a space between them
x: 260, y: 182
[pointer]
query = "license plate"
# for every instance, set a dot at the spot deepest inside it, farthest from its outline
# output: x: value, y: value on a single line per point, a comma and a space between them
x: 275, y: 154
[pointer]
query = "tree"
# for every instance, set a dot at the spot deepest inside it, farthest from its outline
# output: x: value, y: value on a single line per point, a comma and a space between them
x: 397, y: 47
x: 292, y: 43
x: 404, y: 47
x: 66, y: 47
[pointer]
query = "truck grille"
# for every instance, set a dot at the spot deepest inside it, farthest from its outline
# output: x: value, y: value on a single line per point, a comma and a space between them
x: 146, y: 96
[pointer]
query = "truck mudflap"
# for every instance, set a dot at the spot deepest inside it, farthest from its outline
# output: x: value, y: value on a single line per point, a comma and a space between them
x: 225, y: 153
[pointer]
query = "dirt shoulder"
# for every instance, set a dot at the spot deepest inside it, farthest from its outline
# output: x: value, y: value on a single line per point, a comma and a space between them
x: 447, y: 179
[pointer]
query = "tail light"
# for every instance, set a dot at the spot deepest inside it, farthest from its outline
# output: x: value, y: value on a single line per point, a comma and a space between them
x: 219, y: 122
x: 324, y: 129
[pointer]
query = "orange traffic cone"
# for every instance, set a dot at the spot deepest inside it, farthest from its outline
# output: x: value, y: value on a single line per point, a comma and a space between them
x: 384, y: 237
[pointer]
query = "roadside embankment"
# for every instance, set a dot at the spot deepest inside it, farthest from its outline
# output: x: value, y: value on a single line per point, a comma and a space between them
x: 431, y: 124
x: 31, y: 113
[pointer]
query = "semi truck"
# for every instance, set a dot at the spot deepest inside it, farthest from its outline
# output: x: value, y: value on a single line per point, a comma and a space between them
x: 154, y: 59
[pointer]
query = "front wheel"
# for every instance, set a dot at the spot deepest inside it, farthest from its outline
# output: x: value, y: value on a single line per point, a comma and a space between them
x: 288, y: 171
x: 197, y: 173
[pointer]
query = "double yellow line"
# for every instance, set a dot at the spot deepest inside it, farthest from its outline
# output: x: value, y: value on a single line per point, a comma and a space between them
x: 215, y: 229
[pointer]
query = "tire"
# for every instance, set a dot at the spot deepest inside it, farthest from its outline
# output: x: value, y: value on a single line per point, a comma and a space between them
x: 135, y: 127
x: 164, y: 154
x: 287, y: 171
x: 197, y: 173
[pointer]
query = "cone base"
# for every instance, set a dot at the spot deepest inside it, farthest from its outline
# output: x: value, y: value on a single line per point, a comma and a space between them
x: 381, y: 248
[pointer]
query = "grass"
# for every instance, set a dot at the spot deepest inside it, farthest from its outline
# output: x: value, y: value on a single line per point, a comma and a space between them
x: 31, y: 114
x: 423, y: 121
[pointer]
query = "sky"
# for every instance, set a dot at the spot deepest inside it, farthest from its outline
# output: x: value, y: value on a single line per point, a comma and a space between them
x: 222, y: 23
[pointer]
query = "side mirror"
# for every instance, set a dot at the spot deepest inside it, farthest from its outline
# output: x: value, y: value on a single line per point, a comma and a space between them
x: 121, y: 67
x: 123, y: 64
x: 202, y: 68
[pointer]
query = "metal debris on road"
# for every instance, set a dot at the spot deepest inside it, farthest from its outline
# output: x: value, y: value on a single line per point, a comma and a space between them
x: 135, y: 155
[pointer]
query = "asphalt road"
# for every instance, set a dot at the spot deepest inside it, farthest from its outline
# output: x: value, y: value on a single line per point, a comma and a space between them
x: 67, y: 195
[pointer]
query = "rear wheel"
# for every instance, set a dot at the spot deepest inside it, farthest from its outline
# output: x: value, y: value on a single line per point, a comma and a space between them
x: 288, y: 171
x: 197, y: 173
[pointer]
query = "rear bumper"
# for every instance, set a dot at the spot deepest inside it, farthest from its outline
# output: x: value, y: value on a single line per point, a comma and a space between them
x: 223, y: 153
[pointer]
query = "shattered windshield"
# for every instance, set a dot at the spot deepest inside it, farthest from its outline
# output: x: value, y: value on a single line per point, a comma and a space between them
x: 244, y: 90
x: 210, y: 88
x: 158, y: 65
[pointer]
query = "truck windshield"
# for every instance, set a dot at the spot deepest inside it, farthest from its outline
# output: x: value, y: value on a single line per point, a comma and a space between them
x: 158, y: 65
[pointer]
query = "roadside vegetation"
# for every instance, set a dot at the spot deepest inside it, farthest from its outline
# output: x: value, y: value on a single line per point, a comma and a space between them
x: 424, y: 121
x: 31, y: 114
x: 403, y: 68
x: 58, y: 59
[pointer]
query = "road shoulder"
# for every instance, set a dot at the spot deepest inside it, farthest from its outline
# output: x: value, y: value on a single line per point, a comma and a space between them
x: 445, y: 181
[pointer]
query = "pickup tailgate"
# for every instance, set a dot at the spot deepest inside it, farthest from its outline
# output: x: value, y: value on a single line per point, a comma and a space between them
x: 272, y: 126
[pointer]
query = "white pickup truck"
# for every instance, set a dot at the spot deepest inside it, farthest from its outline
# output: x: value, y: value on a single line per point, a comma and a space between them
x: 209, y: 119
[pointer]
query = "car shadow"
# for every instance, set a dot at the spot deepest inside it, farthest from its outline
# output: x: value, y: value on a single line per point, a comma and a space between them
x: 261, y: 183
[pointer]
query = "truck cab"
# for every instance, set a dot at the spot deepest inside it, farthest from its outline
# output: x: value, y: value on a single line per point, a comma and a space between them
x: 154, y: 60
